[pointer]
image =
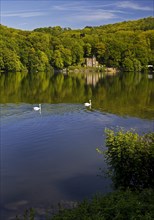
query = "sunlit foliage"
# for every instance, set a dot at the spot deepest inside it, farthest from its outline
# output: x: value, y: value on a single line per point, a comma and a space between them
x: 130, y: 157
x: 126, y: 45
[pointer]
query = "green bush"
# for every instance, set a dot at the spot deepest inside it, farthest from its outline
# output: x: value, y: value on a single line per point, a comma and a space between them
x: 130, y: 158
x: 120, y: 205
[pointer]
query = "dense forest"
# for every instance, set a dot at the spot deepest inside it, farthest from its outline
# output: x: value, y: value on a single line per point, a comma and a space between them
x: 125, y: 45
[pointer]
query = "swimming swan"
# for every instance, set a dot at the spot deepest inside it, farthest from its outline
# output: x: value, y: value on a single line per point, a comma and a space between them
x: 37, y: 108
x: 88, y: 103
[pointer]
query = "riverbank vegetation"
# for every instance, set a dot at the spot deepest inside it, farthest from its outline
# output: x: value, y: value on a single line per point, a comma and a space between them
x: 130, y: 158
x: 118, y: 205
x: 126, y: 45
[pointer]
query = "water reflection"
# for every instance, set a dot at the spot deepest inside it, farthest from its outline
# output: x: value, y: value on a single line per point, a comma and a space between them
x: 123, y: 94
x: 150, y: 76
x: 53, y: 157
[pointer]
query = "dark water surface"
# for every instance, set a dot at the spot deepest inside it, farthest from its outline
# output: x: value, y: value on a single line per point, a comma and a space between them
x: 50, y: 156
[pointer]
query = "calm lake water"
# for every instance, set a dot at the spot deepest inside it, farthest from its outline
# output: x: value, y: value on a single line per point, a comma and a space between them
x: 49, y: 156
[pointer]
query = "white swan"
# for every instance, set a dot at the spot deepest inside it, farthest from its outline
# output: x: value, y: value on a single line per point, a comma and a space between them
x: 88, y: 103
x: 37, y: 108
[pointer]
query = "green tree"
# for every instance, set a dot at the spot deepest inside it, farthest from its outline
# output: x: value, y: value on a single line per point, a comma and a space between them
x: 67, y: 57
x: 77, y: 54
x: 57, y: 60
x: 87, y: 50
x: 130, y: 158
x: 10, y: 61
x: 128, y: 64
x: 100, y: 49
x: 137, y: 65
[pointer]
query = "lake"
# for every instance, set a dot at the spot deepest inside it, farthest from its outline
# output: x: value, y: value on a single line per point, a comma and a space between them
x: 49, y: 156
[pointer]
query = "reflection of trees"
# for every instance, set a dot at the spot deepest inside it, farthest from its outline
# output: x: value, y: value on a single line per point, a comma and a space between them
x: 128, y: 94
x: 124, y: 94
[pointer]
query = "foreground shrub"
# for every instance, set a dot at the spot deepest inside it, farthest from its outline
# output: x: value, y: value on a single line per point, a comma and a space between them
x: 120, y: 205
x: 130, y: 158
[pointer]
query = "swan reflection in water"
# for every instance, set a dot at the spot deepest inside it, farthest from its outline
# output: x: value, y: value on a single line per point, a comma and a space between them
x: 37, y: 108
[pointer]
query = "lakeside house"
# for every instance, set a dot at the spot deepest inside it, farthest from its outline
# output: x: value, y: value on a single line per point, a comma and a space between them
x: 91, y: 62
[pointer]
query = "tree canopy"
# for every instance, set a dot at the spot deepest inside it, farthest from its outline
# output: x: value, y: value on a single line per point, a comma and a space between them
x: 127, y: 45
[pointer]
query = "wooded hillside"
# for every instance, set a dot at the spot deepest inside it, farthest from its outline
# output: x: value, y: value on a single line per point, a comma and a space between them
x: 127, y: 45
